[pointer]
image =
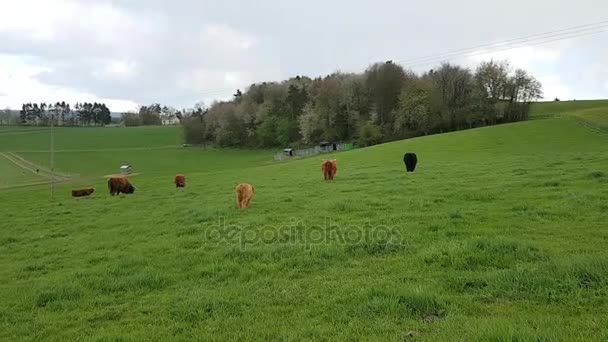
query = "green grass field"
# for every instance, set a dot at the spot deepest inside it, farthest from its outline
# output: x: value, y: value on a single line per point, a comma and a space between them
x: 499, y: 235
x: 35, y: 139
x: 12, y: 175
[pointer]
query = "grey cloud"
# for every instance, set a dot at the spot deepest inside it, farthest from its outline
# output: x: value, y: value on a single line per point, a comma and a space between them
x: 173, y: 64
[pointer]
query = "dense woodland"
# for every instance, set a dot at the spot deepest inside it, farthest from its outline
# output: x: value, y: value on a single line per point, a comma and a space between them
x: 386, y: 102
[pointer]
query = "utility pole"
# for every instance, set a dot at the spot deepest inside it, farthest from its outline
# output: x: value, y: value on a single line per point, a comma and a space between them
x: 52, y: 157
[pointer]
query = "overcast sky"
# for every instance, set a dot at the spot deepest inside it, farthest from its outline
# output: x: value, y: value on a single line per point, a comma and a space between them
x: 130, y: 52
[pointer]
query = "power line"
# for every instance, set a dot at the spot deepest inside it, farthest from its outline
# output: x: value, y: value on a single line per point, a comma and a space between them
x: 553, y: 33
x: 504, y: 45
x: 501, y: 48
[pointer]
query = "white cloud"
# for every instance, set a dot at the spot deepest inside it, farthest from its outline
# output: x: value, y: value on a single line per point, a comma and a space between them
x: 18, y: 85
x: 115, y: 70
x: 540, y: 61
x: 554, y: 86
x: 233, y: 78
x: 523, y: 57
x: 34, y: 19
x: 214, y: 82
x: 217, y: 34
x: 111, y: 50
x: 47, y: 20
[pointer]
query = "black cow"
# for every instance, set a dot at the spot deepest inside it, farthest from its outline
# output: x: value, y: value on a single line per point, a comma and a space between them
x: 410, y: 161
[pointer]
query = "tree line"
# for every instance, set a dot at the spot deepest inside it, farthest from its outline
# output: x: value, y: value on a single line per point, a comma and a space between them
x: 83, y: 114
x: 153, y: 114
x: 8, y: 117
x: 384, y: 103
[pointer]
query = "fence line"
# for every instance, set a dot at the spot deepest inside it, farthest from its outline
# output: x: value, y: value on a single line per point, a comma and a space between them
x: 307, y: 152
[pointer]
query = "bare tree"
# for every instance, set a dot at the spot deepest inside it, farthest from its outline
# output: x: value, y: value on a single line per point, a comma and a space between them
x: 453, y: 89
x: 384, y: 82
x: 492, y: 78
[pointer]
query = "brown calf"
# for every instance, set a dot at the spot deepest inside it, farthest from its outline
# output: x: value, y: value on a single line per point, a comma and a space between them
x: 82, y: 192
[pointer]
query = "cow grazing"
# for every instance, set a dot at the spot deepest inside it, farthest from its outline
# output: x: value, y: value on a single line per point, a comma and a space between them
x: 329, y: 169
x: 180, y: 181
x: 410, y: 161
x: 116, y: 185
x: 82, y: 192
x: 244, y: 194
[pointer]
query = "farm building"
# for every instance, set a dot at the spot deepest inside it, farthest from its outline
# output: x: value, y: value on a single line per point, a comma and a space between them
x: 328, y: 146
x: 167, y: 120
x: 126, y: 169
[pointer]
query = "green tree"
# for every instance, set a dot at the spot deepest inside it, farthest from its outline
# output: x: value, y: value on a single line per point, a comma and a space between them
x: 23, y: 113
x: 150, y: 115
x: 414, y: 114
x: 310, y: 125
x: 130, y: 119
x: 369, y: 134
x: 296, y: 100
x: 384, y: 82
x: 452, y: 96
x: 194, y: 129
x: 384, y: 103
x: 492, y: 79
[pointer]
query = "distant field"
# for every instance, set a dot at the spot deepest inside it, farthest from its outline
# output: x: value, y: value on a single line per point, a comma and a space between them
x: 6, y: 129
x: 499, y: 235
x: 96, y: 138
x: 95, y: 152
x: 171, y: 160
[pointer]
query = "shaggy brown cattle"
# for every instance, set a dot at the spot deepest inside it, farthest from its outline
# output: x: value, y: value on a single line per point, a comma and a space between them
x: 180, y: 181
x: 82, y: 192
x: 329, y: 169
x: 116, y: 185
x: 244, y: 194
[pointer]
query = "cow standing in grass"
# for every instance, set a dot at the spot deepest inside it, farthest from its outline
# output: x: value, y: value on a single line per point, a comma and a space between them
x: 180, y: 181
x: 82, y: 192
x: 116, y: 185
x: 329, y: 169
x: 244, y: 194
x: 410, y: 160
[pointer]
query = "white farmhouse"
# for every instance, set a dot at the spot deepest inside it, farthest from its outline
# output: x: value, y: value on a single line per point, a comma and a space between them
x: 169, y: 119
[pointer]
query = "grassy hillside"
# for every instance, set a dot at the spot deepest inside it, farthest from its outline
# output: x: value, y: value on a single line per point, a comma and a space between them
x: 592, y: 113
x: 156, y: 161
x: 553, y: 109
x: 498, y: 235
